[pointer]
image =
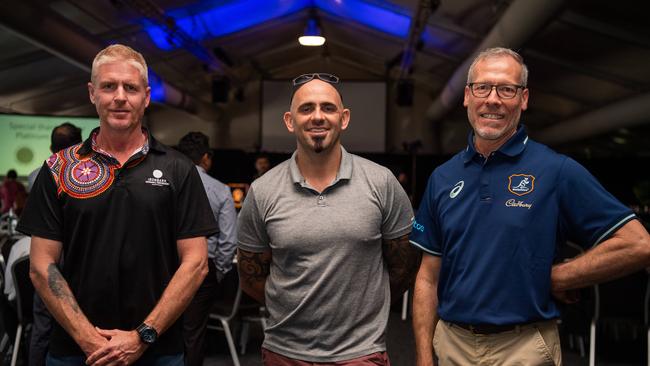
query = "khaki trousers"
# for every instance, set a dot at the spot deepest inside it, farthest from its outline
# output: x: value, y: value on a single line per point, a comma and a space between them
x: 533, y: 344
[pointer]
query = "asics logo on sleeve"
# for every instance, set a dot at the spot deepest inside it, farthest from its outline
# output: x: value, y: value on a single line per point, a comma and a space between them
x: 418, y: 227
x: 457, y: 188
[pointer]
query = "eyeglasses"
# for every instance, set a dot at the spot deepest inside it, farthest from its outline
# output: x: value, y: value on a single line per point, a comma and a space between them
x: 305, y: 78
x: 505, y: 91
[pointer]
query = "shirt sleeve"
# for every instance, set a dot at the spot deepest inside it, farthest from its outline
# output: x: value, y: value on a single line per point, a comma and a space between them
x: 396, y: 210
x: 426, y: 230
x: 251, y: 230
x: 193, y: 212
x: 227, y: 239
x: 589, y: 214
x: 43, y: 213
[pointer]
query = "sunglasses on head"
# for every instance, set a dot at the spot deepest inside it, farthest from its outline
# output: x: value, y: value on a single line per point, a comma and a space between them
x: 305, y: 78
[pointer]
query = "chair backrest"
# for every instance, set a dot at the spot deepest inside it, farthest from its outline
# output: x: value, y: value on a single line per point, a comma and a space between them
x: 24, y: 290
x: 227, y: 306
x: 5, y: 248
x: 2, y: 279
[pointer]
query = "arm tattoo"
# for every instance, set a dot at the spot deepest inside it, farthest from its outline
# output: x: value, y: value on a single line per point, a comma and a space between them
x: 403, y: 261
x: 254, y: 267
x: 59, y: 287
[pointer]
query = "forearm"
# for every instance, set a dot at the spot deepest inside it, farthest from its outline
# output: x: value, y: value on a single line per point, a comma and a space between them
x: 253, y: 269
x: 425, y: 308
x: 402, y: 261
x: 628, y: 250
x: 57, y: 296
x: 255, y: 290
x: 425, y: 318
x: 178, y: 294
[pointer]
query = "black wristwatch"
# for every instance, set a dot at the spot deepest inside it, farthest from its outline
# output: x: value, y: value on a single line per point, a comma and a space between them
x: 147, y: 334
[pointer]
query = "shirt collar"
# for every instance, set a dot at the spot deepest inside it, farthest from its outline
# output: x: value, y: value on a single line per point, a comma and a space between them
x: 513, y: 147
x: 150, y: 143
x: 345, y: 168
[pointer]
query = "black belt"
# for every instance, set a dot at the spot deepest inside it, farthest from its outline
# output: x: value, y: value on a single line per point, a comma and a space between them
x: 488, y: 328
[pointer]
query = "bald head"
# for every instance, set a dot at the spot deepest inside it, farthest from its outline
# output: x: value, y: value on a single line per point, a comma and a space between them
x: 335, y: 82
x: 315, y: 90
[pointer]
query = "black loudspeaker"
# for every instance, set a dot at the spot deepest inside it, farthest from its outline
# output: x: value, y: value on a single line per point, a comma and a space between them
x: 405, y: 89
x: 220, y: 90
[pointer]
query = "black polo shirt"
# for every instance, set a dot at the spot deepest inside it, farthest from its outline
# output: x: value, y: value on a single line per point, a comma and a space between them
x: 119, y: 226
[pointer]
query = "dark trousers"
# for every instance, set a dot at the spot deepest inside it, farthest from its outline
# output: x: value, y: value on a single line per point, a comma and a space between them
x: 168, y: 360
x: 195, y: 318
x: 41, y: 329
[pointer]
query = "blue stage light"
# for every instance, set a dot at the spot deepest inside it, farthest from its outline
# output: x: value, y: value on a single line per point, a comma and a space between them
x: 157, y: 87
x: 372, y: 16
x: 223, y: 19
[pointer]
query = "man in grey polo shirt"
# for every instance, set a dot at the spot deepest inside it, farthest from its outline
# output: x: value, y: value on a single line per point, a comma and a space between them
x: 323, y: 240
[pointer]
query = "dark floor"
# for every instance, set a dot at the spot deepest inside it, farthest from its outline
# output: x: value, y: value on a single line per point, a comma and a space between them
x: 401, y: 348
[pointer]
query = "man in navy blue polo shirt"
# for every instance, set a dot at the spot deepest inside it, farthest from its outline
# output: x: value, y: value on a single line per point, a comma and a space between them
x: 490, y: 223
x: 130, y: 216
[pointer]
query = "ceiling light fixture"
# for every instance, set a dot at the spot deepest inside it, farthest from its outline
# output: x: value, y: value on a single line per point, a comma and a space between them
x: 312, y: 35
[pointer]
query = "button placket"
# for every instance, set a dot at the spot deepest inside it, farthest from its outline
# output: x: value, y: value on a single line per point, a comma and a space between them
x: 321, y: 201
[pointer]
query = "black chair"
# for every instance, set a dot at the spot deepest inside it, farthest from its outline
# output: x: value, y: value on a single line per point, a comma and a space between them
x: 621, y: 316
x: 4, y: 337
x: 24, y: 303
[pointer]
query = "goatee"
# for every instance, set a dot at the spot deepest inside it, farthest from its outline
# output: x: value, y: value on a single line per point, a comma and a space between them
x: 318, y: 145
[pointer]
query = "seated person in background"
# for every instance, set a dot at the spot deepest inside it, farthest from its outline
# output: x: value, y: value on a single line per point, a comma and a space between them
x: 12, y: 193
x: 221, y: 247
x: 262, y: 165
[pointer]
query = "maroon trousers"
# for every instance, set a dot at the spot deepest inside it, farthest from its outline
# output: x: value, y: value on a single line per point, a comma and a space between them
x: 375, y: 359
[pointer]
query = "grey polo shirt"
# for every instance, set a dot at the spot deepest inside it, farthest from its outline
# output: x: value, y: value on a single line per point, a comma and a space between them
x: 328, y: 292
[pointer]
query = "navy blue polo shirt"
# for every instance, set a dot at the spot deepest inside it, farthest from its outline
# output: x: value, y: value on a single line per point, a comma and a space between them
x: 118, y: 225
x: 497, y: 223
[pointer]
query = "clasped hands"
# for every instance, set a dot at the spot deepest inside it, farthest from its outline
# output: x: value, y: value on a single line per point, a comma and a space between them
x: 115, y: 347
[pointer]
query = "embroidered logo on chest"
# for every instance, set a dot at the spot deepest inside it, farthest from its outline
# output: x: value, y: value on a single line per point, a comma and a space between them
x: 157, y: 179
x: 521, y: 184
x: 457, y: 188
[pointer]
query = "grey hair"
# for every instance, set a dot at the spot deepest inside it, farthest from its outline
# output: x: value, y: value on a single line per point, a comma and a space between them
x: 498, y: 52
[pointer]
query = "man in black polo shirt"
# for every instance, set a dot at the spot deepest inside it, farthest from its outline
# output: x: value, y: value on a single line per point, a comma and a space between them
x: 130, y: 216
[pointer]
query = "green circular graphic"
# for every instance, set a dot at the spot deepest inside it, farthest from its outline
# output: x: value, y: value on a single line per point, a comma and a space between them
x: 24, y: 155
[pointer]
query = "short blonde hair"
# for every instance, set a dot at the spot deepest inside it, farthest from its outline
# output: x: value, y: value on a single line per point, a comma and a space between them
x: 116, y: 52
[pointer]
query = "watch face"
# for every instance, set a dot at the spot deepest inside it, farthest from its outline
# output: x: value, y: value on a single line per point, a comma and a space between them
x: 147, y: 334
